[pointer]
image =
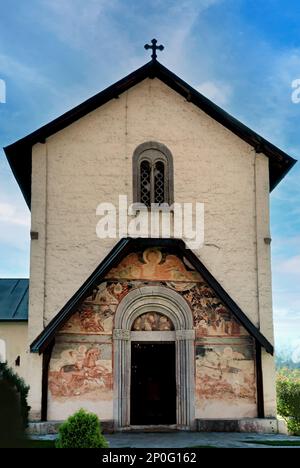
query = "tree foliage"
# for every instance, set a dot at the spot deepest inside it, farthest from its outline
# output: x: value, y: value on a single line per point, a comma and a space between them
x: 288, y: 398
x: 13, y: 408
x: 16, y: 382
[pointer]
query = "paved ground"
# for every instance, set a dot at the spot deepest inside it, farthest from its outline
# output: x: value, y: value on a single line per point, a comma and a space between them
x: 190, y: 439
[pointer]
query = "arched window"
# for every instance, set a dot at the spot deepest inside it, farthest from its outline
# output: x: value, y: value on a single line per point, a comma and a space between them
x: 152, y: 174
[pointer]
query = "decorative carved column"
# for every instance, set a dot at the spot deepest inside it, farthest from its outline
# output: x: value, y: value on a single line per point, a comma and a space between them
x: 185, y: 377
x: 122, y: 372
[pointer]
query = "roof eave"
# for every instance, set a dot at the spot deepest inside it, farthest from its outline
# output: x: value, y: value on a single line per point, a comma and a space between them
x: 10, y: 320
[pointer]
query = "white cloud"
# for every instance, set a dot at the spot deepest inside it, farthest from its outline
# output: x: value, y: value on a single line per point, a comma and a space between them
x: 14, y: 236
x: 20, y: 72
x: 9, y: 214
x: 77, y: 21
x: 290, y: 266
x: 282, y: 242
x: 296, y: 353
x: 6, y: 210
x: 107, y: 29
x: 280, y: 313
x: 276, y: 93
x: 287, y: 322
x: 30, y: 79
x: 177, y: 25
x: 218, y: 92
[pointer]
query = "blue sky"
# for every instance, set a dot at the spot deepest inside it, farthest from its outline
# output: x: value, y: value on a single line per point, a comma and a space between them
x: 243, y: 54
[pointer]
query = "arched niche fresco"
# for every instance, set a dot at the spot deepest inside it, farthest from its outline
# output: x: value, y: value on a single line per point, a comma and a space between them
x: 152, y: 321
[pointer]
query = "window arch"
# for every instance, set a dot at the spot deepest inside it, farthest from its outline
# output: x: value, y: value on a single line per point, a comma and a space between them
x: 153, y: 174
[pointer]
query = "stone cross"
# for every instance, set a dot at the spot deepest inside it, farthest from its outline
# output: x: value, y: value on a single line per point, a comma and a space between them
x: 154, y: 48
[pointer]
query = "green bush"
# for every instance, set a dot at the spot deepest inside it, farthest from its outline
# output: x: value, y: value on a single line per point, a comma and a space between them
x: 288, y: 400
x: 293, y: 425
x: 15, y: 382
x: 81, y: 430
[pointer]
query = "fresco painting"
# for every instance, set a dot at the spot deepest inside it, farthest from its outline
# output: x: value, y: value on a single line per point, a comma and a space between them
x: 108, y: 293
x: 96, y: 313
x: 225, y: 377
x: 152, y: 322
x: 211, y: 317
x: 91, y: 319
x: 81, y: 370
x: 155, y: 265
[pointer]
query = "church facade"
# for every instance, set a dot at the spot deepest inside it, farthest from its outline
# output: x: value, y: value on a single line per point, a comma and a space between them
x: 145, y: 331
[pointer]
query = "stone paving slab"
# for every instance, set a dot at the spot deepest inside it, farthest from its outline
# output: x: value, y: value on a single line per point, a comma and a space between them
x: 192, y: 439
x: 188, y: 439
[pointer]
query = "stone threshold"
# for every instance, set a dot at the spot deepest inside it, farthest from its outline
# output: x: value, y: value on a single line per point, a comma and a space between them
x: 152, y: 428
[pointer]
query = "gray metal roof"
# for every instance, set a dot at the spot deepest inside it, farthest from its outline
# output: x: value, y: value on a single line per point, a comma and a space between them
x: 14, y: 299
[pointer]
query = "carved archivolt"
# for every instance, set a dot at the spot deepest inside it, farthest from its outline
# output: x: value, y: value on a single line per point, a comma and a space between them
x: 163, y: 302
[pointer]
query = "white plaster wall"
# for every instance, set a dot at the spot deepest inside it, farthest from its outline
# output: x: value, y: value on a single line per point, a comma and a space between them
x: 14, y: 334
x: 37, y: 273
x: 215, y: 409
x: 59, y: 411
x: 91, y: 161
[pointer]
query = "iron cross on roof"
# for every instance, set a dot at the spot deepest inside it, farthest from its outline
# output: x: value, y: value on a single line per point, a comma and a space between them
x: 154, y: 48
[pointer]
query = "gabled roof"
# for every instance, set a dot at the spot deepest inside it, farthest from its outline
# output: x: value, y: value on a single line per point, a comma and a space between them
x: 19, y: 153
x: 14, y: 299
x: 120, y: 250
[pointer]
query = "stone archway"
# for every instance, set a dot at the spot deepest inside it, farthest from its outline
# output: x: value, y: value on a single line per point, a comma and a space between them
x: 165, y: 301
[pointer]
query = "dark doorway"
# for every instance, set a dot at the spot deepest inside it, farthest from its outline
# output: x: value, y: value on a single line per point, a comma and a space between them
x: 153, y: 384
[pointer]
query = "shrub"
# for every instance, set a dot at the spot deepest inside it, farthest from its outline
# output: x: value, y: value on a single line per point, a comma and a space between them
x: 293, y: 425
x: 15, y: 382
x: 81, y: 430
x: 288, y: 400
x: 13, y: 408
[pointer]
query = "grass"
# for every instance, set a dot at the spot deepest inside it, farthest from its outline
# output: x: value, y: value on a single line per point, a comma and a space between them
x: 27, y: 443
x: 39, y: 443
x: 275, y: 443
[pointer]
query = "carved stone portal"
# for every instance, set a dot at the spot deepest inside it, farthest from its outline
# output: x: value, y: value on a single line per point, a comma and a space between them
x: 159, y: 302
